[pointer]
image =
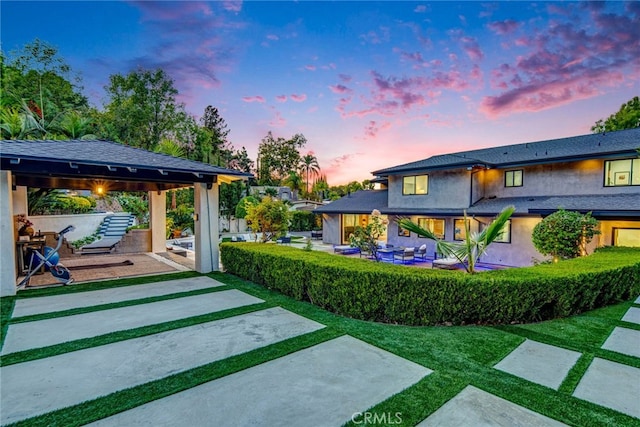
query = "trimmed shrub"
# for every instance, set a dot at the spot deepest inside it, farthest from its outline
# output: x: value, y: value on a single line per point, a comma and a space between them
x: 415, y: 296
x: 302, y: 221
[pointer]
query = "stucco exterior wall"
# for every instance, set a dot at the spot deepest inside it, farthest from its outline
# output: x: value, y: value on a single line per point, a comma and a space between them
x: 331, y: 229
x: 447, y: 189
x: 555, y: 179
x: 85, y: 224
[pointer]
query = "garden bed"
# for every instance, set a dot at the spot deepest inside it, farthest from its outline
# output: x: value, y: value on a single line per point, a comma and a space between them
x: 396, y: 294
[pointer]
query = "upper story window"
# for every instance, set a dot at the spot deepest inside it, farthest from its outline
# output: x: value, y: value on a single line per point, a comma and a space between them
x: 415, y: 184
x: 513, y: 178
x: 621, y: 172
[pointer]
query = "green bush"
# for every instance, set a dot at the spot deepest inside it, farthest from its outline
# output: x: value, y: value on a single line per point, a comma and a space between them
x: 564, y: 234
x: 302, y: 221
x: 415, y: 296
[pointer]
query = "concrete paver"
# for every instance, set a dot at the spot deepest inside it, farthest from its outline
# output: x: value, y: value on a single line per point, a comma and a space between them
x: 473, y: 407
x: 611, y: 384
x: 43, y: 385
x: 539, y: 363
x: 637, y: 301
x: 632, y: 315
x: 42, y: 333
x: 30, y: 306
x: 324, y: 385
x: 625, y: 341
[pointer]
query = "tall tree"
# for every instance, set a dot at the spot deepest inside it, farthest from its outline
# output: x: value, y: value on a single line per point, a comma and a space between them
x: 241, y: 161
x: 294, y: 182
x: 627, y: 117
x: 230, y: 196
x: 142, y: 107
x: 276, y: 157
x: 309, y: 166
x: 221, y: 148
x: 38, y: 89
x: 38, y: 76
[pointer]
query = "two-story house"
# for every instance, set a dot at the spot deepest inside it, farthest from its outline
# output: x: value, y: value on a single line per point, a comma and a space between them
x: 597, y: 173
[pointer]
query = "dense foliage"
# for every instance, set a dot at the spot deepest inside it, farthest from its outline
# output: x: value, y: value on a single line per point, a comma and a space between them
x: 270, y: 217
x: 304, y: 221
x: 367, y: 238
x: 627, y: 117
x: 415, y: 296
x: 55, y: 202
x: 243, y: 206
x: 564, y: 234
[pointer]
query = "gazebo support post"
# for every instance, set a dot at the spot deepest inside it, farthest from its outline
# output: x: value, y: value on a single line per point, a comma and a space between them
x: 8, y: 270
x: 206, y: 227
x: 158, y: 220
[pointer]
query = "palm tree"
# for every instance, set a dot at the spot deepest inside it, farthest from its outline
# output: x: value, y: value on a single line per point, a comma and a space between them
x: 173, y: 148
x: 294, y: 182
x: 309, y: 166
x: 74, y: 125
x: 474, y: 245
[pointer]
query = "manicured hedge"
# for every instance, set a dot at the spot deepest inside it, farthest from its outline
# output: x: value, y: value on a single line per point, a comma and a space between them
x: 380, y: 292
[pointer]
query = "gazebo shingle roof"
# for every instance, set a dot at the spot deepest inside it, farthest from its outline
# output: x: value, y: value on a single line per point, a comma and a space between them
x: 71, y: 161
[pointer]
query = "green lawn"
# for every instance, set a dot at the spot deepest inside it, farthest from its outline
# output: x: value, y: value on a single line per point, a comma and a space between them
x: 458, y: 355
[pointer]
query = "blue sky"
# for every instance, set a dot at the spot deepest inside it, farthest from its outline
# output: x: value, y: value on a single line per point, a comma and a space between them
x: 369, y: 84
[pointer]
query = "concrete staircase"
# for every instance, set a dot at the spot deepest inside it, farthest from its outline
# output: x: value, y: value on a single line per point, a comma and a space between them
x: 116, y: 225
x: 111, y: 231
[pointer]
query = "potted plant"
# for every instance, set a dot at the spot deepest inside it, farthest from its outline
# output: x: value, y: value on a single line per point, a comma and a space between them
x: 24, y: 226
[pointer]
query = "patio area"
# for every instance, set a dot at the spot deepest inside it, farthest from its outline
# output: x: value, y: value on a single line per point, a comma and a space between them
x: 90, y: 268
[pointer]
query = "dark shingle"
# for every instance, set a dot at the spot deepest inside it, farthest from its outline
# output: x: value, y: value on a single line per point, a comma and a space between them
x: 363, y: 201
x: 97, y: 152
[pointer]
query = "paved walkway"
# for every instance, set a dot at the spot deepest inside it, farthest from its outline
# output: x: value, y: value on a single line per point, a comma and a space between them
x: 324, y: 385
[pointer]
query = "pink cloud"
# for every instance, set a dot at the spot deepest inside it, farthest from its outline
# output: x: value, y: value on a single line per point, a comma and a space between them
x: 273, y: 37
x: 373, y: 128
x: 299, y: 98
x: 250, y: 99
x: 568, y: 61
x: 281, y: 98
x: 310, y: 67
x: 232, y: 5
x: 537, y: 97
x: 340, y: 89
x: 376, y: 37
x: 507, y: 26
x: 345, y: 78
x: 472, y: 48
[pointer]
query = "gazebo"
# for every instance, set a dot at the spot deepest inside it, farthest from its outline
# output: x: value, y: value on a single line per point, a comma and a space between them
x: 87, y: 164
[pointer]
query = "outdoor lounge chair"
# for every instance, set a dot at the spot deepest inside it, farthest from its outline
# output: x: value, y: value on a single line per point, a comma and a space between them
x: 449, y: 263
x: 285, y: 240
x: 420, y: 254
x: 104, y: 245
x: 405, y: 256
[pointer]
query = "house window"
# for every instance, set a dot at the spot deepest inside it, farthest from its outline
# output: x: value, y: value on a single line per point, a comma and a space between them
x: 626, y: 237
x: 505, y: 234
x: 513, y: 178
x: 415, y: 184
x: 351, y: 221
x: 621, y: 172
x: 435, y: 225
x: 459, y: 230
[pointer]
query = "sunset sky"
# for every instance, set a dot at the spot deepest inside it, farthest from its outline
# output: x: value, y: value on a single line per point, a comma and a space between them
x: 369, y: 84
